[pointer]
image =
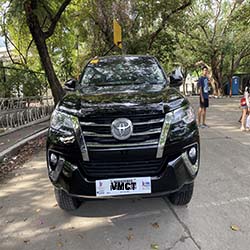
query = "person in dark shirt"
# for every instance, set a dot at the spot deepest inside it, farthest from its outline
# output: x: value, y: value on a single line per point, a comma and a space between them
x: 204, y: 102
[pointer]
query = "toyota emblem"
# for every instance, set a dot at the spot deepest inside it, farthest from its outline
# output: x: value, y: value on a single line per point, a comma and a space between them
x: 122, y: 128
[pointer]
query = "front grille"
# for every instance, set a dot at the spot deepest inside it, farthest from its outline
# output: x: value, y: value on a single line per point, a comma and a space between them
x: 146, y: 132
x: 102, y: 170
x: 110, y: 158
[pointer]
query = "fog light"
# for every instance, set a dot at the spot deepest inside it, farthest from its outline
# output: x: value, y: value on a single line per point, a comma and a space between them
x: 53, y: 159
x: 191, y: 160
x: 192, y: 153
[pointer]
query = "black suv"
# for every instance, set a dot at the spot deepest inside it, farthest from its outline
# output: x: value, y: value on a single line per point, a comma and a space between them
x: 121, y: 131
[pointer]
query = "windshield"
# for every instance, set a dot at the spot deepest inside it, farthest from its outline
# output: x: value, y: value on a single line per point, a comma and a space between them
x: 122, y: 70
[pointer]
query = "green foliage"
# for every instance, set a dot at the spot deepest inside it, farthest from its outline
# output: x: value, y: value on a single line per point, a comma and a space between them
x: 85, y: 30
x: 212, y: 32
x: 21, y: 82
x: 217, y: 34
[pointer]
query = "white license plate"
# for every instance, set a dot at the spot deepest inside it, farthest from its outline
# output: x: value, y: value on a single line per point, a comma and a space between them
x: 123, y: 186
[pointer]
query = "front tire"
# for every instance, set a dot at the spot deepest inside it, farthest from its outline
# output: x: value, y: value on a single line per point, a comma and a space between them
x: 65, y: 201
x: 183, y: 196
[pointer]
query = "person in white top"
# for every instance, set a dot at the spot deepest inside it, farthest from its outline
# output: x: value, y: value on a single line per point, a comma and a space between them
x: 245, y: 110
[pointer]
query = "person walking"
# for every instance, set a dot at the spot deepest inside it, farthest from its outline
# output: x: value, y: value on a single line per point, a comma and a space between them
x: 245, y: 108
x: 204, y: 102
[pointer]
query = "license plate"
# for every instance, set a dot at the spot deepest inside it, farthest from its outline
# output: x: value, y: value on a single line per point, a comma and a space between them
x: 123, y: 186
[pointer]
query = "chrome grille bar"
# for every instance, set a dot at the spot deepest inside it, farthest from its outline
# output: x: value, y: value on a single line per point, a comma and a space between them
x: 93, y: 134
x: 122, y: 145
x: 152, y: 121
x: 95, y: 124
x: 149, y: 122
x: 148, y: 132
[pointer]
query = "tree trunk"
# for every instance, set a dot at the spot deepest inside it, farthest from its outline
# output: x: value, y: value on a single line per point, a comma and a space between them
x: 231, y: 75
x: 40, y: 41
x: 230, y: 86
x: 215, y: 67
x: 215, y: 87
x: 56, y: 88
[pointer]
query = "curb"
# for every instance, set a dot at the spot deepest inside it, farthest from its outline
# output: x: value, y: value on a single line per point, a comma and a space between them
x: 13, y: 149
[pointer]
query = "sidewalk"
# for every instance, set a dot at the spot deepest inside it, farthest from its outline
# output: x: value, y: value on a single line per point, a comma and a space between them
x: 223, y: 119
x: 15, y: 138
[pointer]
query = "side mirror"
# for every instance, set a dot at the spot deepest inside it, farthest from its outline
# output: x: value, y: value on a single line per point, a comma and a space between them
x: 70, y: 85
x: 176, y: 78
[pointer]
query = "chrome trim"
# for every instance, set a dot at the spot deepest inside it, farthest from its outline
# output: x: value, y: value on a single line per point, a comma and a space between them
x: 82, y: 143
x: 192, y: 168
x: 121, y: 145
x: 147, y: 132
x: 174, y: 162
x: 95, y: 124
x: 149, y: 122
x: 89, y: 133
x: 126, y: 148
x: 192, y: 144
x: 134, y: 123
x: 67, y: 140
x: 164, y: 134
x: 54, y: 174
x: 121, y: 128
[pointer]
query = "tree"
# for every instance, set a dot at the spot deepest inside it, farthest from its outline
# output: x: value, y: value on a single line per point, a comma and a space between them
x: 216, y: 37
x: 37, y: 21
x: 61, y: 44
x: 178, y: 33
x: 142, y: 22
x: 40, y: 36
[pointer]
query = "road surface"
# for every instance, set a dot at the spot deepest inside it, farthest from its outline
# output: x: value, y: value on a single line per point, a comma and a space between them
x: 217, y: 218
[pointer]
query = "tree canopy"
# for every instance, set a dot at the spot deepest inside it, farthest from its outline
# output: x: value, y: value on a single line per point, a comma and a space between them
x: 57, y: 37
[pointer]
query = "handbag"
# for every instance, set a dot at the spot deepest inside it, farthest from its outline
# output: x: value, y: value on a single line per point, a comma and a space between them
x: 243, y: 102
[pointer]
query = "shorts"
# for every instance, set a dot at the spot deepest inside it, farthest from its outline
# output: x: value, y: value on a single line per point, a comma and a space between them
x: 244, y: 107
x: 205, y: 104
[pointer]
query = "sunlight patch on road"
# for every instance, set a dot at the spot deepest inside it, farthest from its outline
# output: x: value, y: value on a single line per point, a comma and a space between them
x: 87, y: 224
x: 136, y: 216
x: 245, y: 199
x: 246, y: 143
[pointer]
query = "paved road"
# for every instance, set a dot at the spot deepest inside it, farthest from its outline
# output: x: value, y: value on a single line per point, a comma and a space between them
x: 31, y: 220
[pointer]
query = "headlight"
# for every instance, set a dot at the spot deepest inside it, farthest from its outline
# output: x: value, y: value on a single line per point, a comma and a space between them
x: 60, y: 120
x: 186, y: 115
x: 182, y: 115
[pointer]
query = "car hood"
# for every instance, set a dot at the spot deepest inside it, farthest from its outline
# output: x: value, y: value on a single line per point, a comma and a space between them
x: 99, y: 99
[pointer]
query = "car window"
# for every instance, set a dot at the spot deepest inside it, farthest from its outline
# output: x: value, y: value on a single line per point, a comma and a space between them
x: 123, y: 70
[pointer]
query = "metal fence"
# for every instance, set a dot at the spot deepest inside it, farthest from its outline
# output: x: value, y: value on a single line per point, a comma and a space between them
x: 17, y: 112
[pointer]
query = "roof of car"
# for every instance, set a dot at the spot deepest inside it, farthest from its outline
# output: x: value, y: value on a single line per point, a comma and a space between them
x: 122, y: 56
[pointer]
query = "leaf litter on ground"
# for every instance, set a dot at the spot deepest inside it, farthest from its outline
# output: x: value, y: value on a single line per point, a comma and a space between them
x: 154, y: 246
x: 235, y: 228
x: 155, y: 225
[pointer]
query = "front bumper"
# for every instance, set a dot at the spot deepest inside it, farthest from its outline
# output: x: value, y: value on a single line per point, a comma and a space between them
x: 176, y: 172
